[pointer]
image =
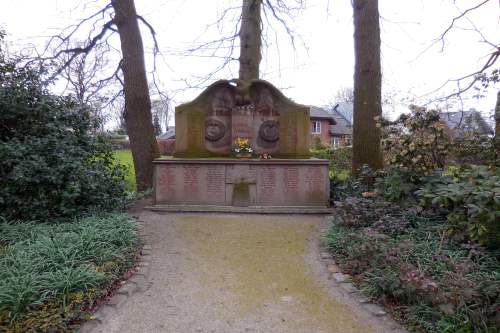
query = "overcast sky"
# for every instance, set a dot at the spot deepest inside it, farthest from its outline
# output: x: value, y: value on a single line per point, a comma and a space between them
x: 323, y: 58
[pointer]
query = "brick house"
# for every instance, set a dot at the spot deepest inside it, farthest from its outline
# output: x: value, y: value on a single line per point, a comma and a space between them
x: 341, y: 132
x: 321, y: 121
x: 334, y: 127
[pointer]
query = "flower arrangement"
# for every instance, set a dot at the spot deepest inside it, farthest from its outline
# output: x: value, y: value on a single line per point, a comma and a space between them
x: 265, y: 156
x: 241, y: 147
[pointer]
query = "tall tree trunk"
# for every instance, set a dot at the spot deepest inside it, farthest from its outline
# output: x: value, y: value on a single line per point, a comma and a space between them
x: 250, y: 40
x: 367, y: 85
x: 138, y: 119
x: 496, y: 141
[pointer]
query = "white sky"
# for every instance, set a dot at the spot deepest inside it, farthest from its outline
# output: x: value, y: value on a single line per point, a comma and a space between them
x: 323, y: 59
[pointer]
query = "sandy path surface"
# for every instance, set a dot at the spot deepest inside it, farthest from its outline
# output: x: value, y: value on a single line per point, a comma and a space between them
x: 236, y: 273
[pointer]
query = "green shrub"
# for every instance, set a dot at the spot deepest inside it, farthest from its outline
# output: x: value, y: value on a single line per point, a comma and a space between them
x: 50, y: 263
x: 475, y: 148
x: 416, y: 141
x: 472, y: 197
x: 424, y: 262
x: 340, y: 158
x: 404, y: 259
x: 341, y: 188
x: 397, y: 185
x: 50, y: 163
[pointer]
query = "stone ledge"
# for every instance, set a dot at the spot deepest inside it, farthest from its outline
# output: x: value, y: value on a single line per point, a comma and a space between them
x: 274, y: 161
x: 236, y: 209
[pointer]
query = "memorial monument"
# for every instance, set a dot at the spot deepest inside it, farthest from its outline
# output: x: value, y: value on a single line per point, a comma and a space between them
x: 204, y: 174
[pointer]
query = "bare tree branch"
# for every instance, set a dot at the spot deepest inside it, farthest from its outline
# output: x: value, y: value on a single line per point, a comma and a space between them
x: 455, y: 19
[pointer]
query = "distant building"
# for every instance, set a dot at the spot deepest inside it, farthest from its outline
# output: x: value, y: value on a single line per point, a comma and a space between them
x: 334, y: 127
x: 169, y: 134
x: 321, y: 122
x: 341, y: 133
x: 461, y: 123
x: 166, y: 141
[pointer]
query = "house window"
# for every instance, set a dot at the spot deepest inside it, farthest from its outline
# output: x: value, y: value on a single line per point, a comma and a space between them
x: 316, y: 127
x: 335, y: 142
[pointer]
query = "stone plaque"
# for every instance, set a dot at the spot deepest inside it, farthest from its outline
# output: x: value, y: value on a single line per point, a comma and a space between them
x: 190, y: 184
x: 253, y: 183
x: 242, y: 122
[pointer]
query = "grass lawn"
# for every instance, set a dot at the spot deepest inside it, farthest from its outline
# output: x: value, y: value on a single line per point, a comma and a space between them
x: 124, y: 157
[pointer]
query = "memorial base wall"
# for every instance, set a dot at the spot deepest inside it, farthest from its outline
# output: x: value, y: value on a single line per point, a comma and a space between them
x: 276, y: 185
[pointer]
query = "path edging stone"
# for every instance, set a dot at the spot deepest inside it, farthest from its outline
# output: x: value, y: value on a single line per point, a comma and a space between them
x: 343, y: 281
x: 138, y: 282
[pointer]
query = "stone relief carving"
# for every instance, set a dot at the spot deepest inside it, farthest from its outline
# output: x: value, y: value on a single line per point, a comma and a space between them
x: 269, y: 131
x: 214, y: 129
x: 256, y: 110
x: 242, y: 110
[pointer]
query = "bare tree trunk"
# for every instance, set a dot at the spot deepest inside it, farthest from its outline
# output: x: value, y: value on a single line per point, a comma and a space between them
x: 138, y: 118
x: 250, y: 40
x: 367, y: 85
x: 497, y: 130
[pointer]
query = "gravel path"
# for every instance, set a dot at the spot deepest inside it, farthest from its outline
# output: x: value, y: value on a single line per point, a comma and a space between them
x: 236, y: 273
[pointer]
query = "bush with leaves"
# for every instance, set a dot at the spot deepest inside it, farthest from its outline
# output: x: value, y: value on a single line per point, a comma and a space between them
x: 404, y: 259
x: 471, y: 194
x: 341, y: 188
x: 474, y: 148
x: 397, y: 185
x: 50, y: 163
x: 425, y: 263
x: 339, y: 159
x: 417, y: 141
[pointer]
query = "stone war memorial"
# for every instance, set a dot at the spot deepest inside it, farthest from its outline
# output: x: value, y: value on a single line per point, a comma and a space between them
x: 207, y: 173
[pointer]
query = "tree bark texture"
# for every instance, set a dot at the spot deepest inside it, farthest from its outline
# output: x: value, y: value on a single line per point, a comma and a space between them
x: 367, y: 86
x: 138, y: 119
x: 250, y: 40
x: 497, y: 130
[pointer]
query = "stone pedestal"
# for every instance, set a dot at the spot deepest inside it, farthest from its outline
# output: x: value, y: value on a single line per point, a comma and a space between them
x: 230, y: 185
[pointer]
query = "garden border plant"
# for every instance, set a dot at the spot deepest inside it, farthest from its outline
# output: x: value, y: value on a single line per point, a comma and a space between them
x: 408, y: 258
x: 52, y: 274
x: 422, y: 239
x: 64, y: 245
x: 51, y: 163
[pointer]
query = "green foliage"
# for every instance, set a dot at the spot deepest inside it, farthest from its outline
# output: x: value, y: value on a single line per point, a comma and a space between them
x: 405, y: 260
x: 426, y: 263
x: 395, y: 184
x: 352, y: 186
x: 472, y: 196
x: 417, y: 141
x: 50, y: 163
x: 475, y: 148
x: 50, y: 263
x: 340, y: 159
